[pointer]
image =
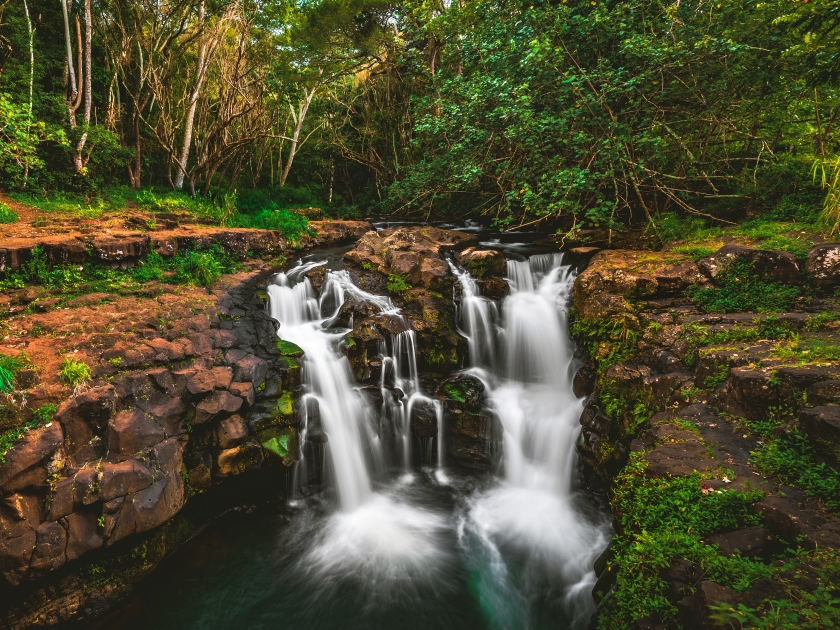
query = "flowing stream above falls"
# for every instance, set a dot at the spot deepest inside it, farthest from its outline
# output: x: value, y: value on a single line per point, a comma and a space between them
x: 401, y: 540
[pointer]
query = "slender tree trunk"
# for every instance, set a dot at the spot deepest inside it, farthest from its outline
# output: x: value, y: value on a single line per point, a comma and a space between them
x: 295, y: 142
x: 31, y: 76
x: 78, y: 161
x: 71, y: 74
x: 188, y: 126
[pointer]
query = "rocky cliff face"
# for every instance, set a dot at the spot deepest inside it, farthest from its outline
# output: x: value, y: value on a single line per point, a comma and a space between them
x: 185, y: 394
x: 679, y: 397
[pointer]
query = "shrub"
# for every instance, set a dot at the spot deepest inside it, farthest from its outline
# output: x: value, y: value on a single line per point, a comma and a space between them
x: 397, y: 284
x: 9, y: 367
x: 74, y: 373
x: 203, y: 267
x: 7, y: 215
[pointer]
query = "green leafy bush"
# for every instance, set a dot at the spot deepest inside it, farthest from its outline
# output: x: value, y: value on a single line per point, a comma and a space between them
x: 203, y: 267
x: 7, y: 215
x: 74, y: 373
x: 9, y: 367
x: 398, y: 284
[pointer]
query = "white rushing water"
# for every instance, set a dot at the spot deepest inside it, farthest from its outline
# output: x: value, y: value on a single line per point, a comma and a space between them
x: 526, y: 542
x: 539, y: 542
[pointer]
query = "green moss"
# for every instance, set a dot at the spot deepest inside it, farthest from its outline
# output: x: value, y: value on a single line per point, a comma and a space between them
x: 398, y: 284
x: 285, y: 405
x: 739, y: 289
x: 288, y: 349
x: 455, y: 392
x: 278, y: 444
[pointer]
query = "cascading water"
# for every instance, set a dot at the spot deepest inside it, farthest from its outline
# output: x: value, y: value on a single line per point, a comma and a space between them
x: 540, y: 543
x: 417, y: 548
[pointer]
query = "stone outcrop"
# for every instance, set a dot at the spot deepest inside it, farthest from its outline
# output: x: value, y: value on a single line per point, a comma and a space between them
x: 824, y: 265
x: 765, y: 263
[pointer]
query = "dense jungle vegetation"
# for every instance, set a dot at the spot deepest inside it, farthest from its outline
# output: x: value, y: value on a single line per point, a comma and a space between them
x: 567, y: 114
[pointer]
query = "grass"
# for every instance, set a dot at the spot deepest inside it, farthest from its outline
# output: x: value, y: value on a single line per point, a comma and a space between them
x: 791, y: 461
x: 740, y: 289
x: 74, y: 373
x: 9, y: 367
x: 270, y: 210
x: 192, y: 267
x: 817, y: 350
x: 7, y: 215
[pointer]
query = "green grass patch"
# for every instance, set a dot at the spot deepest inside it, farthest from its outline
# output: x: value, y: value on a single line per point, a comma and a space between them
x: 398, y: 284
x: 9, y: 367
x: 802, y: 351
x: 74, y: 373
x: 791, y: 460
x: 739, y: 289
x: 7, y: 215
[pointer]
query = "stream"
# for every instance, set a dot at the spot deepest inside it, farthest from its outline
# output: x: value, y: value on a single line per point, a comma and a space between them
x: 393, y: 542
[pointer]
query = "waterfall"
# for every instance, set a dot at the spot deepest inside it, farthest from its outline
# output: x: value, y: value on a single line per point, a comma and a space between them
x: 346, y: 416
x: 524, y: 357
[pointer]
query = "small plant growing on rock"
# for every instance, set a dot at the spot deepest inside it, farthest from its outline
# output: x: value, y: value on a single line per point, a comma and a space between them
x: 397, y: 284
x: 74, y: 373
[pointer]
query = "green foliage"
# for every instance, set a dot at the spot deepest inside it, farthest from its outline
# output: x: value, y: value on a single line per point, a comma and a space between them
x: 291, y: 224
x: 74, y: 373
x: 608, y: 340
x: 288, y: 349
x: 666, y: 518
x: 792, y: 461
x: 150, y: 269
x: 398, y: 284
x: 815, y: 350
x: 7, y: 215
x: 203, y: 267
x: 43, y: 414
x: 9, y: 367
x: 740, y: 289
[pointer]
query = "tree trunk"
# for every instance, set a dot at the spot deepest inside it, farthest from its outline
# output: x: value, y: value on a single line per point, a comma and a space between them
x: 71, y: 74
x: 298, y: 117
x: 78, y: 162
x: 188, y: 126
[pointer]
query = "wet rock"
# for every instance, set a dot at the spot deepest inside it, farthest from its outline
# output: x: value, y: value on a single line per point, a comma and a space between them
x: 232, y: 431
x: 240, y: 459
x: 127, y: 477
x: 334, y: 232
x: 131, y: 431
x: 483, y: 263
x: 245, y: 391
x: 424, y: 423
x: 219, y: 404
x: 751, y: 542
x: 822, y: 424
x: 824, y: 265
x: 50, y: 543
x: 250, y: 368
x: 766, y: 263
x: 27, y: 461
x: 199, y: 469
x: 83, y: 534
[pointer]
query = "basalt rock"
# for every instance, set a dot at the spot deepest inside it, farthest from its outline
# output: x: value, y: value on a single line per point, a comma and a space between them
x: 822, y: 425
x: 36, y: 454
x: 766, y: 263
x: 824, y: 265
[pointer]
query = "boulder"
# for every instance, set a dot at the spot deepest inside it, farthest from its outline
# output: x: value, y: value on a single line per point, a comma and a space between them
x: 131, y: 431
x: 423, y: 417
x: 83, y: 534
x: 483, y: 263
x: 766, y: 263
x: 245, y: 391
x: 118, y: 480
x: 232, y: 431
x: 824, y: 393
x: 199, y: 381
x: 783, y: 517
x: 63, y: 250
x: 48, y: 555
x: 751, y: 542
x: 239, y: 459
x: 86, y: 489
x: 250, y: 368
x: 220, y: 404
x: 223, y: 376
x: 824, y: 265
x: 31, y: 454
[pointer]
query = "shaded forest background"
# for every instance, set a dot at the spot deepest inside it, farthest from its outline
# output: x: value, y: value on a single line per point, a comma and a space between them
x: 565, y: 115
